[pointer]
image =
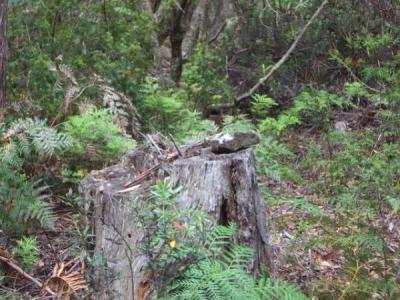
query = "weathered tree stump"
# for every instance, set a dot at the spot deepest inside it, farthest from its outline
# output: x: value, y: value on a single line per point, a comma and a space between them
x: 222, y: 185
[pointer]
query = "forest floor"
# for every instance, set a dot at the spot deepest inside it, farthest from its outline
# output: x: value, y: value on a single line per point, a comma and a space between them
x: 317, y: 268
x: 301, y: 252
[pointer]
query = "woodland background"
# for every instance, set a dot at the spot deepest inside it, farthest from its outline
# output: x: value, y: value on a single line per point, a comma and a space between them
x: 82, y: 81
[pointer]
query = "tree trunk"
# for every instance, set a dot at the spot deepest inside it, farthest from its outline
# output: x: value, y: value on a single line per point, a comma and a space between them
x: 179, y: 31
x: 222, y: 185
x: 3, y: 51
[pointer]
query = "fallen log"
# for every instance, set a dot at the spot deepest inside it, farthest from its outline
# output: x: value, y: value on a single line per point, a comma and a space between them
x: 217, y: 176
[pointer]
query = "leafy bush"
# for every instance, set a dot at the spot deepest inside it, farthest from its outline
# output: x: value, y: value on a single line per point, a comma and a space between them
x: 262, y: 105
x: 167, y: 111
x: 36, y: 37
x: 95, y: 137
x: 26, y: 251
x: 163, y: 109
x: 171, y: 237
x: 203, y: 84
x: 310, y: 107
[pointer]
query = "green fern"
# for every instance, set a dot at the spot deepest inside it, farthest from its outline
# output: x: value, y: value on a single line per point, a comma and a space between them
x: 27, y: 138
x: 219, y: 237
x: 223, y: 274
x: 22, y: 201
x: 227, y: 278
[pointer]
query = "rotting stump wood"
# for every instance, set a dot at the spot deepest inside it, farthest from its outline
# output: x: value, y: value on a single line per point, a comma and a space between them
x: 221, y: 183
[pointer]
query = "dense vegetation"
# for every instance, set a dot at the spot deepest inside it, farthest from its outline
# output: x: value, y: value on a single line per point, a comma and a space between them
x: 86, y: 79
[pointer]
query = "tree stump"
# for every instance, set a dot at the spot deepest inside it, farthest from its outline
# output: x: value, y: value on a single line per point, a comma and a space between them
x: 222, y: 185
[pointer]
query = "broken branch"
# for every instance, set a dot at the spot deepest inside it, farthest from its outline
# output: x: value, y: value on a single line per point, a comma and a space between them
x: 284, y: 58
x: 26, y: 275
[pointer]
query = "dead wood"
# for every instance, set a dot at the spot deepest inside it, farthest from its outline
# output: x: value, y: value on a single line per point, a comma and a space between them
x: 13, y: 265
x: 222, y: 185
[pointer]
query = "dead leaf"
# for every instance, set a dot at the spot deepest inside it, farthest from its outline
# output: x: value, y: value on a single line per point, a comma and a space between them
x: 65, y: 283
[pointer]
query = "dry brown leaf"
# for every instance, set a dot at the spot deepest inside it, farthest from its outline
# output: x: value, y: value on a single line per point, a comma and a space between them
x: 65, y: 284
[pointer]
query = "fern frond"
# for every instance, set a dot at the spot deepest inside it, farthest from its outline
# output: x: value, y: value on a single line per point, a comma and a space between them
x: 66, y: 71
x: 39, y: 211
x: 120, y: 105
x: 9, y: 156
x: 47, y: 141
x: 237, y: 256
x: 219, y: 237
x: 268, y: 289
x: 225, y: 276
x: 22, y: 202
x: 32, y: 137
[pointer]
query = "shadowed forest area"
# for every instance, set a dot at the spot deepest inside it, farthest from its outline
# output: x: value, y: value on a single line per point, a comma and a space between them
x: 200, y: 149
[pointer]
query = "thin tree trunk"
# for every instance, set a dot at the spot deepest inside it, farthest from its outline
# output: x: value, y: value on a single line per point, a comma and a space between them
x: 3, y: 51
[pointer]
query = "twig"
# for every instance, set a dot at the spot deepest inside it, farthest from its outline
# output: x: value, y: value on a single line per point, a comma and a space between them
x: 176, y: 146
x: 355, y: 77
x: 284, y: 58
x: 76, y: 262
x: 26, y: 275
x: 151, y: 140
x: 215, y: 37
x: 60, y: 113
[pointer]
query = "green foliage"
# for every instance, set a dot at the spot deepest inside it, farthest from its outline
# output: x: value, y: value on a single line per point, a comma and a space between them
x: 29, y: 140
x: 163, y: 109
x: 95, y: 137
x: 194, y: 128
x: 24, y: 143
x: 27, y: 252
x: 272, y: 156
x: 313, y: 107
x: 210, y: 266
x: 354, y: 174
x: 92, y: 36
x: 237, y: 124
x: 355, y: 89
x: 316, y: 107
x: 359, y: 182
x: 166, y: 111
x: 273, y: 160
x: 222, y: 275
x: 22, y: 203
x: 204, y: 84
x: 262, y: 105
x: 171, y: 236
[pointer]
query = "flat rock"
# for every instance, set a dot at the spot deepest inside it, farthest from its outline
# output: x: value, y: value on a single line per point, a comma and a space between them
x: 232, y: 142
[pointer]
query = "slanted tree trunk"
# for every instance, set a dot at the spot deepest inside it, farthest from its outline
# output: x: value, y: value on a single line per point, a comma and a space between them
x: 222, y: 185
x: 3, y: 51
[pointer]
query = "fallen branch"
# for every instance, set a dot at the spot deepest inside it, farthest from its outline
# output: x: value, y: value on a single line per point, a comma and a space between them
x: 284, y: 58
x: 26, y: 275
x: 355, y: 77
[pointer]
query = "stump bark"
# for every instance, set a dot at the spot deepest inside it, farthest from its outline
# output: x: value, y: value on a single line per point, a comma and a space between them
x: 222, y: 185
